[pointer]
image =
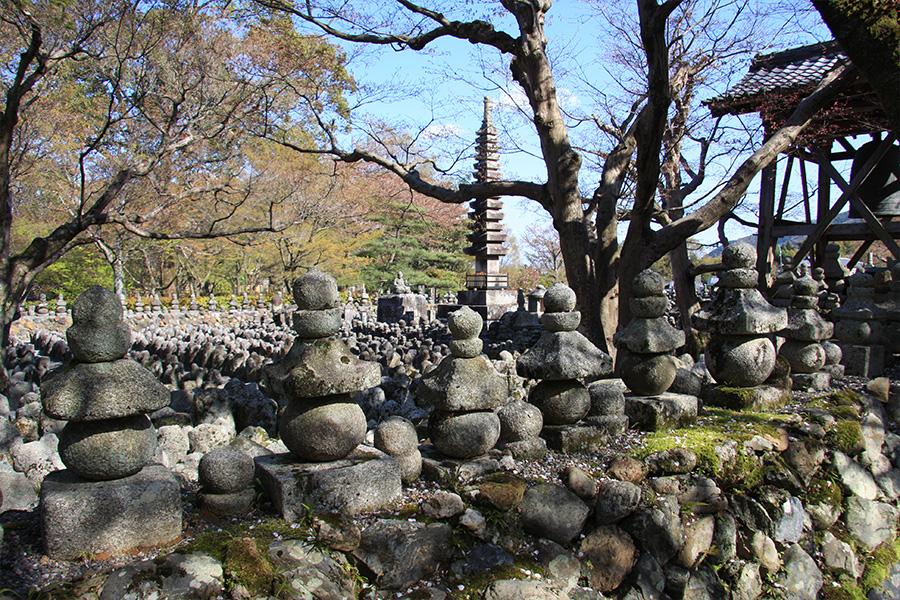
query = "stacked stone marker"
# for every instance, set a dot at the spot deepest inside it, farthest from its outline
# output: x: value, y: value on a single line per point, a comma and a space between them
x: 464, y: 390
x: 741, y: 355
x: 891, y: 308
x: 560, y: 359
x: 645, y: 362
x: 859, y: 328
x: 108, y: 499
x: 322, y: 425
x: 805, y: 331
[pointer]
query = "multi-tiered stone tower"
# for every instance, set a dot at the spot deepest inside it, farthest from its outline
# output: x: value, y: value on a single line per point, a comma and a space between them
x: 487, y: 290
x: 109, y: 498
x: 322, y: 425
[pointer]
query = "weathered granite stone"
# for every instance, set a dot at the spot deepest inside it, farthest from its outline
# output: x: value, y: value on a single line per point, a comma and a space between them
x: 561, y: 402
x: 322, y: 367
x: 740, y: 361
x: 662, y: 412
x: 194, y: 575
x: 465, y: 434
x: 443, y: 505
x: 870, y: 523
x: 87, y: 517
x: 657, y: 529
x: 520, y: 421
x: 463, y: 384
x: 233, y: 504
x: 615, y: 501
x: 365, y: 480
x: 315, y: 324
x: 563, y: 355
x: 611, y: 555
x: 400, y: 553
x: 698, y: 537
x: 579, y: 482
x: 315, y: 290
x: 323, y: 431
x: 801, y: 579
x: 98, y: 333
x: 108, y: 449
x: 855, y: 478
x: 553, y: 512
x: 396, y: 436
x: 649, y: 336
x: 840, y: 556
x: 559, y: 298
x: 226, y: 470
x: 107, y: 390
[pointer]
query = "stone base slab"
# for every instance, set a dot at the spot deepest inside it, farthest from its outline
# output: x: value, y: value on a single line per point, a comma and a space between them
x: 611, y: 424
x: 451, y: 471
x: 818, y: 381
x: 579, y: 437
x: 366, y: 480
x: 759, y: 398
x: 863, y: 361
x: 658, y: 413
x: 533, y: 449
x: 836, y: 371
x: 82, y: 517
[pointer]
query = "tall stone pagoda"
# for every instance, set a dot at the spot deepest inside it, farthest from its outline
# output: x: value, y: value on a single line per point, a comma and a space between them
x: 487, y: 290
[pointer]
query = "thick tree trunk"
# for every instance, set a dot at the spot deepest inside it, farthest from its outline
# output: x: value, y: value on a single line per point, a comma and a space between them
x: 686, y: 300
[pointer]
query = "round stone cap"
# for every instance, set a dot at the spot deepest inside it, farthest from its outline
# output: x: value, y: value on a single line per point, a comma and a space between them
x: 559, y: 298
x: 739, y: 255
x: 464, y: 323
x: 648, y: 283
x: 806, y: 286
x: 97, y: 306
x: 315, y: 290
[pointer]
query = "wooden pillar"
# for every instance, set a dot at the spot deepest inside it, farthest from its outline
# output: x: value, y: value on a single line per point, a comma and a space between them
x: 765, y: 239
x: 823, y: 207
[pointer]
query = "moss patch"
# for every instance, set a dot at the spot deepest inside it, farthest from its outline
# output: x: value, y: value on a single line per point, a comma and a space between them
x: 846, y: 436
x: 716, y: 428
x: 246, y: 564
x: 878, y: 564
x: 823, y: 491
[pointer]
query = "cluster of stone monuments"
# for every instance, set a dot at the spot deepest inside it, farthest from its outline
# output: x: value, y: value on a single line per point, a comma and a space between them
x: 337, y: 455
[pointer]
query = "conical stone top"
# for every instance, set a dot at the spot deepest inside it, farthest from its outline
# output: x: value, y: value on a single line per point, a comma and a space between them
x: 98, y: 333
x: 737, y: 307
x: 562, y: 353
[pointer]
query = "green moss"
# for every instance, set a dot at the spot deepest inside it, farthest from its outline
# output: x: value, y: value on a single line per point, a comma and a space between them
x: 846, y: 436
x: 843, y: 588
x: 878, y: 564
x: 215, y: 542
x: 523, y: 567
x: 824, y: 491
x: 717, y: 427
x: 844, y: 413
x: 246, y: 564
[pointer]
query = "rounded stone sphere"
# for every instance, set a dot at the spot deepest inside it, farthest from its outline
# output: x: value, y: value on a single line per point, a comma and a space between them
x: 464, y: 323
x: 559, y: 298
x: 741, y: 361
x: 648, y: 283
x: 739, y: 255
x: 804, y: 357
x: 396, y: 436
x: 107, y: 449
x: 857, y: 332
x: 806, y: 286
x: 92, y: 343
x: 469, y: 348
x: 649, y: 307
x: 97, y: 306
x: 322, y: 432
x: 743, y: 278
x: 225, y: 470
x: 647, y: 375
x: 520, y: 421
x: 833, y: 353
x: 561, y: 321
x: 315, y: 324
x: 410, y: 466
x: 561, y: 402
x: 315, y: 290
x: 464, y: 435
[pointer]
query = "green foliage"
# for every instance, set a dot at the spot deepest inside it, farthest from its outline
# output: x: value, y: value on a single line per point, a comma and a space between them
x: 73, y: 273
x: 428, y: 251
x: 846, y: 436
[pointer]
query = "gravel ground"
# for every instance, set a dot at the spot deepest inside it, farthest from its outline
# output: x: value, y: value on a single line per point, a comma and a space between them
x: 24, y: 568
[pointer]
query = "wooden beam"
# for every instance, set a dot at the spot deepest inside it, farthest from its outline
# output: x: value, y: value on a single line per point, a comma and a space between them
x: 859, y: 253
x: 861, y: 207
x: 765, y: 243
x: 855, y: 182
x: 784, y: 187
x: 837, y: 231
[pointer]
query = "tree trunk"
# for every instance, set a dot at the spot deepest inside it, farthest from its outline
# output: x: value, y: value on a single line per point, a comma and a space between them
x: 686, y: 300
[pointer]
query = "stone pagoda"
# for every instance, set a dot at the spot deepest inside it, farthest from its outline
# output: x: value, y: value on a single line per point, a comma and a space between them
x: 805, y: 331
x: 561, y: 359
x: 859, y: 328
x: 109, y: 498
x: 645, y: 362
x: 487, y: 290
x: 322, y: 425
x: 741, y: 354
x: 464, y: 390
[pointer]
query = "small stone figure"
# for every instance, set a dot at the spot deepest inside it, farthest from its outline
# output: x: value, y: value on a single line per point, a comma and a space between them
x: 61, y: 305
x: 464, y: 390
x: 322, y: 423
x: 401, y: 286
x: 155, y: 304
x: 225, y: 475
x: 645, y: 362
x: 233, y: 305
x: 260, y: 302
x: 397, y: 437
x: 194, y: 306
x: 174, y: 306
x: 42, y: 305
x: 138, y: 305
x: 278, y: 309
x: 212, y: 305
x: 835, y: 271
x: 741, y: 354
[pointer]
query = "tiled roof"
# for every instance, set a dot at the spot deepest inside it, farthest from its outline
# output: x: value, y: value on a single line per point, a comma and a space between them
x: 796, y: 68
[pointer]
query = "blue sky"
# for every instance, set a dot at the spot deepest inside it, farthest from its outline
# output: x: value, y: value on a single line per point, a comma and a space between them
x: 444, y: 88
